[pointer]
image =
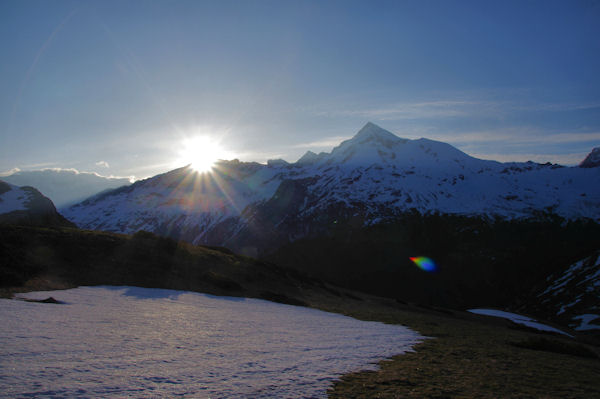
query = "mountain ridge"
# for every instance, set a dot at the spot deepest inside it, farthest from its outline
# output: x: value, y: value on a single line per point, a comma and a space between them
x: 375, y: 175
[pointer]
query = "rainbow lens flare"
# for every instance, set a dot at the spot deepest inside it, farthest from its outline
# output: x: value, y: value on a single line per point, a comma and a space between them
x: 424, y: 263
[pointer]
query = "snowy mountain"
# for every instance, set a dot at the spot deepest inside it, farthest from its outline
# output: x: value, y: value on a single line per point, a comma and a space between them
x: 64, y: 186
x: 13, y: 198
x: 26, y: 205
x: 373, y: 177
x: 592, y: 160
x: 572, y: 295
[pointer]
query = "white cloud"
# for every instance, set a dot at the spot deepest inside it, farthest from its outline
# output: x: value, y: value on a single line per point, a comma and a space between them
x: 570, y: 137
x: 562, y: 159
x: 414, y: 110
x: 72, y: 170
x: 103, y: 164
x: 10, y: 172
x: 326, y: 142
x: 131, y: 178
x: 38, y: 165
x: 560, y: 106
x: 496, y: 103
x: 516, y: 136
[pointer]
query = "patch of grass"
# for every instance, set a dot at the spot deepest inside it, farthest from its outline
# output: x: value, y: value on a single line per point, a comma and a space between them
x: 556, y: 346
x: 466, y: 358
x: 281, y: 298
x: 352, y: 296
x: 222, y: 281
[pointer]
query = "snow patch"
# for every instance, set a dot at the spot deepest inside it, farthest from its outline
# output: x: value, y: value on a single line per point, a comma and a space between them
x: 141, y: 342
x: 14, y: 199
x: 585, y: 323
x: 519, y: 319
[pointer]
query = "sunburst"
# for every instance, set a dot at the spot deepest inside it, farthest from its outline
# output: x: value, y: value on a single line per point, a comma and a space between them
x: 202, y: 152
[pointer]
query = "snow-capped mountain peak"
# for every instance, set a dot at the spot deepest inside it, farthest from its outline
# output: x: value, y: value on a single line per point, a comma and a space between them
x: 592, y: 160
x: 375, y: 134
x: 310, y: 158
x: 373, y: 145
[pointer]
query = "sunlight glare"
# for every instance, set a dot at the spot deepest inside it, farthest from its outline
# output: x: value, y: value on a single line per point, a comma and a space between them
x: 201, y: 153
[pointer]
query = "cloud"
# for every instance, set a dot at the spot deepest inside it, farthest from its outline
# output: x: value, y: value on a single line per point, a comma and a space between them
x: 38, y: 165
x: 260, y: 157
x: 562, y: 159
x: 517, y: 136
x: 524, y: 144
x: 571, y: 137
x: 414, y: 110
x: 522, y: 137
x: 67, y: 170
x: 10, y: 172
x: 131, y: 178
x: 560, y: 106
x: 482, y: 103
x: 77, y: 172
x: 437, y: 109
x: 323, y: 143
x: 103, y: 164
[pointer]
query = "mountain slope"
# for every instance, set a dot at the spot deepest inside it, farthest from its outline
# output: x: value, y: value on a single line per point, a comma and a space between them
x: 571, y: 296
x: 592, y: 160
x: 26, y: 205
x: 64, y: 186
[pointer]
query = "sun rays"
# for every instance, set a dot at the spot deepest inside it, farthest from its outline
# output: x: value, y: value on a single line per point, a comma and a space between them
x: 208, y: 182
x: 205, y: 192
x: 202, y: 152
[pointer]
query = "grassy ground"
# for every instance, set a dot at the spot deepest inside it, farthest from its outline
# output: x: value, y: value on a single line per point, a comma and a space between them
x: 469, y: 356
x: 472, y: 357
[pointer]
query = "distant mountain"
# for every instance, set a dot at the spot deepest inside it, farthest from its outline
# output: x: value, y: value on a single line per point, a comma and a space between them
x: 592, y: 160
x: 26, y: 205
x: 373, y: 177
x: 570, y: 296
x: 63, y: 186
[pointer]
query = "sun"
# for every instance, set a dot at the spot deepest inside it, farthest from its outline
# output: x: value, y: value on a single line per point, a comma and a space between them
x: 201, y: 153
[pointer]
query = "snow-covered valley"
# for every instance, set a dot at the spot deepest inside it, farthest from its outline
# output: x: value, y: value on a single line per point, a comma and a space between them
x: 138, y: 342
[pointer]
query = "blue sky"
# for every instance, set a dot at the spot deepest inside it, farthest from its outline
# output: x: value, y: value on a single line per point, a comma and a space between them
x: 115, y: 87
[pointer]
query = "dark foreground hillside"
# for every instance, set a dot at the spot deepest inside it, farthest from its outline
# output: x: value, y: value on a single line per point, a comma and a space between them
x: 47, y: 258
x: 469, y: 355
x: 480, y: 262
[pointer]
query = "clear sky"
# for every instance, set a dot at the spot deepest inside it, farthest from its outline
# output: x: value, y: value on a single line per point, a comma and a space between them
x: 116, y: 87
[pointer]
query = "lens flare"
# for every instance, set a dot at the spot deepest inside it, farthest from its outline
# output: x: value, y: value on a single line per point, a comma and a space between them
x: 424, y: 263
